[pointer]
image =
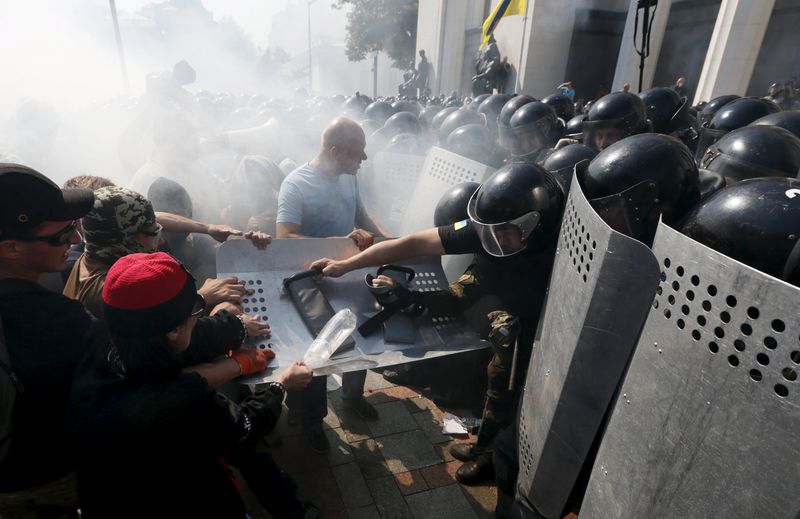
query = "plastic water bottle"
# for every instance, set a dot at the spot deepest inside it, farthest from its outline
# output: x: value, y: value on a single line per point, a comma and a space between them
x: 333, y: 334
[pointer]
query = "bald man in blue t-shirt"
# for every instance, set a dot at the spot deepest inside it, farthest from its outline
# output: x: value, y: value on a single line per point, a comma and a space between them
x: 320, y: 199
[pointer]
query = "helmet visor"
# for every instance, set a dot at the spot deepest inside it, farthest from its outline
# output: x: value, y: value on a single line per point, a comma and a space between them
x: 602, y: 134
x: 505, y: 238
x: 523, y: 140
x: 708, y: 137
x: 627, y: 211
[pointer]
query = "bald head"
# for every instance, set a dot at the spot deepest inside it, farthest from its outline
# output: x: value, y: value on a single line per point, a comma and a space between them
x: 343, y: 144
x: 342, y: 132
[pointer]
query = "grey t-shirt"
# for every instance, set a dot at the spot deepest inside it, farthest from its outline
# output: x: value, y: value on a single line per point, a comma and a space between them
x: 322, y: 205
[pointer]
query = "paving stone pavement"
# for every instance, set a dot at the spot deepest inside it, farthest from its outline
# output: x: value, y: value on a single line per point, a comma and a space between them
x: 396, y: 468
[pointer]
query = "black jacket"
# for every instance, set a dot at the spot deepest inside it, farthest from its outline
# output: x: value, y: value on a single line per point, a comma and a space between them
x: 160, y: 447
x: 46, y: 338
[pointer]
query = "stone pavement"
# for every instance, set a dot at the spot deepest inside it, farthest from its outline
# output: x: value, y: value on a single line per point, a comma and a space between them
x: 398, y: 467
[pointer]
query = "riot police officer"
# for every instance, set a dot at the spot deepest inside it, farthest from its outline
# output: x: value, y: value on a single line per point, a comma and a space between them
x: 532, y: 130
x: 512, y: 226
x: 612, y: 118
x: 639, y: 179
x: 756, y: 222
x: 733, y: 115
x: 754, y: 151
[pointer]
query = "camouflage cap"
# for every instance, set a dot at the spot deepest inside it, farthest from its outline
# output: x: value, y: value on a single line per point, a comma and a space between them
x: 110, y: 227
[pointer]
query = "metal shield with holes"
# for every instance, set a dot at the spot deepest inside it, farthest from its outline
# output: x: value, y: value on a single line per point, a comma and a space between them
x: 707, y: 423
x: 263, y: 273
x: 442, y: 170
x: 600, y: 291
x: 387, y: 185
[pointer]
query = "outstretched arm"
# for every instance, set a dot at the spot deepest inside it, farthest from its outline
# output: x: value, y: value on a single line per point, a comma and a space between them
x: 422, y: 243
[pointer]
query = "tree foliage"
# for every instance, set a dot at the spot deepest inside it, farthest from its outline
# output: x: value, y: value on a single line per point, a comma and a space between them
x: 381, y: 25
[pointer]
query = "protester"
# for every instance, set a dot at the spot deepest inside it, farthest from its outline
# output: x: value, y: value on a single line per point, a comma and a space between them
x: 45, y: 332
x: 321, y: 199
x: 153, y: 439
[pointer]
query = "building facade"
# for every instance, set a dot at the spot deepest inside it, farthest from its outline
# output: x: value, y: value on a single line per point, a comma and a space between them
x: 719, y: 46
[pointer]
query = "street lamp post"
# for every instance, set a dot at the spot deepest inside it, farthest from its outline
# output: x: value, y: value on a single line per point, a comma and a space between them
x: 310, y: 83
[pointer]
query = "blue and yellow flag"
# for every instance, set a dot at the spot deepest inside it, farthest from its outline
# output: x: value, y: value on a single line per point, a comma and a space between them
x: 502, y: 9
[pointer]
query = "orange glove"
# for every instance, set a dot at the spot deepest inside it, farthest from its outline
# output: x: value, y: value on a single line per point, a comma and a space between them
x: 252, y: 361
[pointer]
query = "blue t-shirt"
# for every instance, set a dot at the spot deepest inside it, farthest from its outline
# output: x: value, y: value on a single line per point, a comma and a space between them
x: 322, y: 205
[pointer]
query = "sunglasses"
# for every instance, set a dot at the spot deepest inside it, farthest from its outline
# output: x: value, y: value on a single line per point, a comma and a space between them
x: 154, y: 234
x: 199, y: 307
x: 62, y: 237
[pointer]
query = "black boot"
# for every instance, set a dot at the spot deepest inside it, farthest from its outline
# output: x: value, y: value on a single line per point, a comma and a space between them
x: 466, y: 451
x: 477, y: 471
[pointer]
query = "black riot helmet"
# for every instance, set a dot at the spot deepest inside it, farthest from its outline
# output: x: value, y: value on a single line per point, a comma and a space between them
x: 574, y: 126
x: 510, y: 107
x: 378, y: 111
x: 405, y: 105
x: 634, y: 181
x: 754, y: 151
x: 441, y: 115
x: 517, y: 208
x: 561, y: 163
x: 354, y: 106
x: 739, y: 112
x: 533, y: 127
x: 452, y: 207
x: 788, y: 120
x: 457, y: 119
x: 713, y: 106
x: 612, y: 118
x: 756, y: 222
x: 668, y: 111
x: 427, y: 114
x: 476, y: 103
x: 491, y: 107
x: 402, y: 122
x: 472, y: 141
x: 563, y: 105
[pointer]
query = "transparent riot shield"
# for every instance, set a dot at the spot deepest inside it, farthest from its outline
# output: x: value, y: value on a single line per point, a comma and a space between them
x: 264, y: 271
x: 387, y: 186
x: 600, y: 291
x: 707, y: 423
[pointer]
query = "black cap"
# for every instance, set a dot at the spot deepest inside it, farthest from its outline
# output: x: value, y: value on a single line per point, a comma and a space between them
x: 28, y: 198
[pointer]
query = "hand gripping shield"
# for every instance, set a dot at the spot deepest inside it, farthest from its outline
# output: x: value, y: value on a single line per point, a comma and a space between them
x: 707, y: 423
x: 265, y: 271
x: 600, y: 291
x: 387, y: 187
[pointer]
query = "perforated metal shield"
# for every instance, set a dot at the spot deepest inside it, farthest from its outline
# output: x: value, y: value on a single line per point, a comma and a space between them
x: 387, y: 185
x: 707, y: 423
x: 442, y: 170
x: 600, y: 291
x: 264, y: 271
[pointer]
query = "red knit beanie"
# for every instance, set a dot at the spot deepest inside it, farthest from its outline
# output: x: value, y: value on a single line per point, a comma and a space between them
x: 146, y: 295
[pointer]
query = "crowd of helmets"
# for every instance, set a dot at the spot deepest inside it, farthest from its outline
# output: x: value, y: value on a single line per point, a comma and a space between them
x: 723, y: 171
x: 651, y: 153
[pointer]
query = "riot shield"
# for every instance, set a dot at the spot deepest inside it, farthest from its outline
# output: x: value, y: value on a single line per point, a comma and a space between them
x: 707, y: 423
x: 600, y: 291
x: 387, y: 186
x: 264, y: 272
x: 442, y: 170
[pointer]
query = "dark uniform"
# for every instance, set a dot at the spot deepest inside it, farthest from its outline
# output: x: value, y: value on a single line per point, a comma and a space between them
x: 502, y: 297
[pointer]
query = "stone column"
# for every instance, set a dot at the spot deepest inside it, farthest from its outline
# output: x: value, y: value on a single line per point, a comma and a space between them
x: 734, y: 46
x: 547, y: 38
x: 441, y: 25
x: 627, y: 70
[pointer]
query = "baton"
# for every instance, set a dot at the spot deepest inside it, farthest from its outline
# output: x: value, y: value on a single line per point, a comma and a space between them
x: 513, y: 366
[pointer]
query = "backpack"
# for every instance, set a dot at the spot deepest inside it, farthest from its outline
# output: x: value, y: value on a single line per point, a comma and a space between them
x: 10, y: 387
